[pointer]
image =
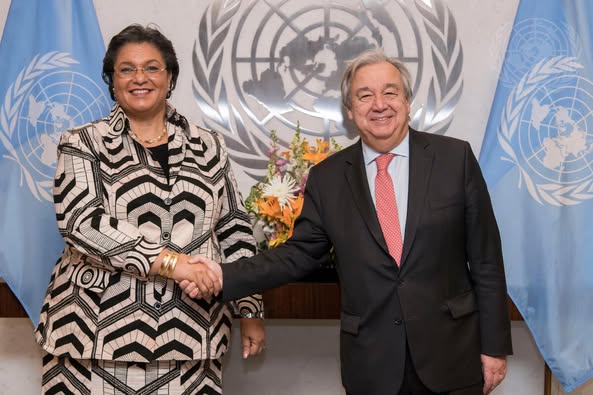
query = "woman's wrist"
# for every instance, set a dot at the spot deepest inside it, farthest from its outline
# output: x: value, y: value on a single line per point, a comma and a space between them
x: 168, y: 264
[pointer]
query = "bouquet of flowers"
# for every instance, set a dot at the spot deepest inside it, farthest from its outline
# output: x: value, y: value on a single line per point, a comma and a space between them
x: 276, y: 202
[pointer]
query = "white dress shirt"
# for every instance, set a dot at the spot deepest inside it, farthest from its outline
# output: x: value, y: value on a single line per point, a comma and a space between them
x: 399, y: 170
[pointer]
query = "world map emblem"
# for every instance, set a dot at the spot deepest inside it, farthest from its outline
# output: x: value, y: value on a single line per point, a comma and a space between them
x: 546, y: 132
x: 46, y: 98
x: 261, y: 66
x: 532, y: 40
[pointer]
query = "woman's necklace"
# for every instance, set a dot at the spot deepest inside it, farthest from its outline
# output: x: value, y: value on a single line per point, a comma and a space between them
x: 152, y: 140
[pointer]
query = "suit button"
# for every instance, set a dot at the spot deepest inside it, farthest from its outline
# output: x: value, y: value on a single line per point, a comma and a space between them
x: 166, y: 235
x: 167, y: 201
x: 157, y: 305
x: 400, y: 282
x: 398, y: 322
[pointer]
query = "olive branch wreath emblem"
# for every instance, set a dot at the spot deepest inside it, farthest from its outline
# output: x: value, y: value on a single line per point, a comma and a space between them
x: 209, y: 87
x: 551, y: 193
x: 445, y: 90
x: 13, y: 101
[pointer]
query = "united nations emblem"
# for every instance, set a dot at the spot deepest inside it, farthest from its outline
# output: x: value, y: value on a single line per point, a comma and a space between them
x: 532, y: 40
x: 262, y: 66
x: 546, y: 132
x: 46, y: 99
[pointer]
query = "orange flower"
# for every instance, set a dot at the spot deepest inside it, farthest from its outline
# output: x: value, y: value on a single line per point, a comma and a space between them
x: 318, y: 153
x: 286, y: 216
x: 297, y: 207
x: 269, y: 206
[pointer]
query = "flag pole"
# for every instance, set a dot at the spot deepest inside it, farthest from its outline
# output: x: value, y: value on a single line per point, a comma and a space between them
x: 547, y: 380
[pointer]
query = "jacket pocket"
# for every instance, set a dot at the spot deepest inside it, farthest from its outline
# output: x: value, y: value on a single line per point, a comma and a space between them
x: 462, y: 305
x: 350, y: 323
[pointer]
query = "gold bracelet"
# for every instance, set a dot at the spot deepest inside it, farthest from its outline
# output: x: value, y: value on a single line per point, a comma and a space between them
x: 168, y: 264
x: 165, y: 264
x: 172, y: 264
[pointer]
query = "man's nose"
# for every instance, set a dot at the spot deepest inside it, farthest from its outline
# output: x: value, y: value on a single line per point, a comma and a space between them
x: 379, y: 103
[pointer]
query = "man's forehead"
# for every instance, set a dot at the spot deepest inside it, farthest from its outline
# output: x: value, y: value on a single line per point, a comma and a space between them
x: 387, y: 85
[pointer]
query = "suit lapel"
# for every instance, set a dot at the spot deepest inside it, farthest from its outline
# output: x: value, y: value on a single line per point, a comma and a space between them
x: 421, y: 158
x: 359, y: 186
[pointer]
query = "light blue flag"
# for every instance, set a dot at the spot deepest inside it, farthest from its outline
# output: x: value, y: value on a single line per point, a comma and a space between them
x: 51, y: 54
x: 537, y: 158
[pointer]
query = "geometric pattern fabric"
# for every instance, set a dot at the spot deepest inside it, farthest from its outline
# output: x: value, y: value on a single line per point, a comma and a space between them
x: 116, y: 210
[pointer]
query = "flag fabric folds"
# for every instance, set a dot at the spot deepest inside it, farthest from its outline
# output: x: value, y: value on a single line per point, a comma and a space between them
x: 537, y: 158
x: 51, y: 53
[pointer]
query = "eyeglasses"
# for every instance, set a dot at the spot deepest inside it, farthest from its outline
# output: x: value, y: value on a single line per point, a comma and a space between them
x: 127, y: 72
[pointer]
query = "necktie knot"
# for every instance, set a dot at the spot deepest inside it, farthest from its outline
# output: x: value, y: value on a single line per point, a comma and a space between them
x: 383, y: 161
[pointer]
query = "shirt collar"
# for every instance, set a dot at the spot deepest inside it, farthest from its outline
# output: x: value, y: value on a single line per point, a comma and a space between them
x: 402, y: 149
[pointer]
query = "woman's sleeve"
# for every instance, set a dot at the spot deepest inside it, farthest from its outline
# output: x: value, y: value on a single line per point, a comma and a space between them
x: 81, y: 216
x: 235, y: 234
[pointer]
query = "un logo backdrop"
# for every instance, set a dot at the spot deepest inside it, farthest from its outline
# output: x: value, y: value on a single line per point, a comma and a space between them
x: 270, y: 65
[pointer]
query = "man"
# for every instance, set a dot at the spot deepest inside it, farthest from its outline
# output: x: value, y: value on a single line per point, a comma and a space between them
x: 427, y: 317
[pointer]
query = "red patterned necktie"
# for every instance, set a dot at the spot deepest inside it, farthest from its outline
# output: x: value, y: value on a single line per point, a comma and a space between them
x: 387, y: 207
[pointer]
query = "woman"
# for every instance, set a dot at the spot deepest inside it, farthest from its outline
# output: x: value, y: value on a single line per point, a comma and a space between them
x: 136, y: 195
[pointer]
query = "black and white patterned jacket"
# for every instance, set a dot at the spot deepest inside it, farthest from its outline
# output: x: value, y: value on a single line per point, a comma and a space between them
x: 116, y: 211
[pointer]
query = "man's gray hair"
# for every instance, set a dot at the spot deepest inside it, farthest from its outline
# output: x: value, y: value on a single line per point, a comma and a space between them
x: 374, y: 56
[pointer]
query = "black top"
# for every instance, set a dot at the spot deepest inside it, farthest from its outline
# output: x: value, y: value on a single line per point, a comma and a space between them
x: 160, y: 153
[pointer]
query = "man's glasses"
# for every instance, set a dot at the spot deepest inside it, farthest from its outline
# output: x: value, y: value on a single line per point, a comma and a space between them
x: 128, y: 72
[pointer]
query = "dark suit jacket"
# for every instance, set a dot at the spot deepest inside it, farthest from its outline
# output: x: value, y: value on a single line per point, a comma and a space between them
x: 447, y: 299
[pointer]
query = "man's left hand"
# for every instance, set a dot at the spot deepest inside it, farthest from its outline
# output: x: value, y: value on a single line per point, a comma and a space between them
x: 494, y: 370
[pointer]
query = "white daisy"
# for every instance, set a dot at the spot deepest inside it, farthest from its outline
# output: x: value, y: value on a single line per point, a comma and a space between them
x: 283, y: 188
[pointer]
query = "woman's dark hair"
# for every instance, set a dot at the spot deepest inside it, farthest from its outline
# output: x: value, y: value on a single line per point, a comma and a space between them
x: 138, y: 34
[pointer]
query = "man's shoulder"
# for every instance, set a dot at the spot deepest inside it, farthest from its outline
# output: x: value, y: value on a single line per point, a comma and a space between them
x: 345, y: 155
x: 438, y: 142
x: 436, y: 138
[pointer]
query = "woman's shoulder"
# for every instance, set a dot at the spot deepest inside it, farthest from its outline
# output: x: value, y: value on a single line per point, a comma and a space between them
x: 88, y: 133
x: 206, y: 137
x: 199, y: 131
x: 194, y: 133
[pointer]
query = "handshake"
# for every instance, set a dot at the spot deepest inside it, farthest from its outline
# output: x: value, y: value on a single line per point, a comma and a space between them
x: 198, y: 276
x: 207, y: 279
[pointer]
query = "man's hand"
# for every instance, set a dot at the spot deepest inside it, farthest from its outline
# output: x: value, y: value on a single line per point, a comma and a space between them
x: 213, y: 266
x: 203, y: 287
x: 494, y: 370
x: 253, y: 336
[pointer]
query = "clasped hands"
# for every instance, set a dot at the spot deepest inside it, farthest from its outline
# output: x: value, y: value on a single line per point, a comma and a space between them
x: 207, y: 279
x: 198, y: 276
